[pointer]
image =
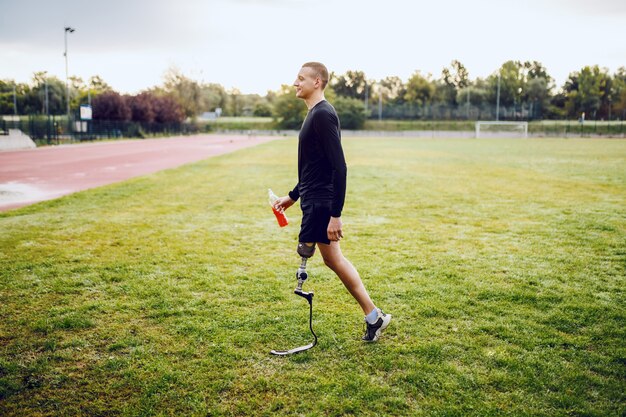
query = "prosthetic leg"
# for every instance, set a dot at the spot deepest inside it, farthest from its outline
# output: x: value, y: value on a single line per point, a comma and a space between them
x: 305, y: 250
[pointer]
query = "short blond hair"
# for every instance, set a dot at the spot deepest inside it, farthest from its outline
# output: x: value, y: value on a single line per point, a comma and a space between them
x: 320, y: 71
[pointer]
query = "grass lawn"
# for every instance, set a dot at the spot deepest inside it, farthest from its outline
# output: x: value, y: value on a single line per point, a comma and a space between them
x: 502, y: 261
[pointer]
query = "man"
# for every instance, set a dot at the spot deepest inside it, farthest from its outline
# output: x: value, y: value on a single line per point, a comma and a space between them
x: 322, y: 188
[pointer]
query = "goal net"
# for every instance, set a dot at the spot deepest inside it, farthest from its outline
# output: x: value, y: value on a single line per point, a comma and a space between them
x: 501, y: 129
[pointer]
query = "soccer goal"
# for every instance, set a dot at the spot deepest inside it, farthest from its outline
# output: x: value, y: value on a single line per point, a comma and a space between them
x: 502, y: 129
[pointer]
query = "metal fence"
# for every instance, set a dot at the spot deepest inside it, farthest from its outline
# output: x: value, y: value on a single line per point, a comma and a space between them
x: 58, y: 129
x: 572, y: 128
x: 549, y: 128
x: 462, y: 111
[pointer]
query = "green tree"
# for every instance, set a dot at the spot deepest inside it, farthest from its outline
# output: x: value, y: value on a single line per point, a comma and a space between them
x: 453, y: 79
x: 98, y: 85
x: 78, y: 92
x: 6, y: 97
x: 289, y: 111
x: 419, y: 89
x: 390, y: 91
x: 248, y: 103
x: 351, y: 112
x: 393, y: 89
x: 586, y: 90
x: 511, y: 84
x: 556, y: 108
x: 213, y: 96
x: 32, y: 97
x: 7, y: 90
x: 536, y: 88
x: 185, y: 90
x: 83, y: 92
x: 524, y: 88
x: 234, y: 103
x: 537, y: 96
x: 480, y: 91
x: 618, y: 94
x: 56, y: 94
x: 351, y: 84
x: 456, y: 76
x: 262, y: 109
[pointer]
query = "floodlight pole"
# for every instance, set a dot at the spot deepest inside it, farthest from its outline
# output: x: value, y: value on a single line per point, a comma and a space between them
x: 366, y: 96
x: 47, y: 100
x: 498, y: 97
x: 67, y: 82
x: 14, y: 100
x: 380, y: 102
x: 47, y: 111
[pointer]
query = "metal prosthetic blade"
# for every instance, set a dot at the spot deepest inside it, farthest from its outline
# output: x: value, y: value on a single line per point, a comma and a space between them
x: 309, y: 297
x: 294, y: 350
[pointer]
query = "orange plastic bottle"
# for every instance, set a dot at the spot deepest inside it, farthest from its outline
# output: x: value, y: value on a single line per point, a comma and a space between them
x: 280, y: 215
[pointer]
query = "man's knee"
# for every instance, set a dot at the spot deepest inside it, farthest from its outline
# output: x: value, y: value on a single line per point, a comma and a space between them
x: 306, y: 250
x: 332, y: 257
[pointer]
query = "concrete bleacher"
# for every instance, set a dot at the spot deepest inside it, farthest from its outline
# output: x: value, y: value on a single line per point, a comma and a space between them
x: 16, y: 140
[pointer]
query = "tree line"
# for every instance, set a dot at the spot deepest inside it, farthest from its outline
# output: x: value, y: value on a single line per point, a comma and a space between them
x: 516, y: 91
x: 177, y: 99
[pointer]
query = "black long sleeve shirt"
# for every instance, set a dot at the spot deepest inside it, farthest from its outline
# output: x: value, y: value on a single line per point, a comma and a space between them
x: 322, y: 167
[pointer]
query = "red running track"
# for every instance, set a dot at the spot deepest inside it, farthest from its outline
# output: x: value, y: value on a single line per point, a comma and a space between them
x: 29, y: 176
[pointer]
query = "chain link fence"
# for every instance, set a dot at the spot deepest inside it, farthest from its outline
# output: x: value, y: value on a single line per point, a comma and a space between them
x: 58, y: 129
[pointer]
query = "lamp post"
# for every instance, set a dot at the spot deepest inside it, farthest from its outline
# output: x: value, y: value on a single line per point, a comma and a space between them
x: 67, y: 83
x: 14, y: 100
x: 380, y: 102
x: 498, y: 96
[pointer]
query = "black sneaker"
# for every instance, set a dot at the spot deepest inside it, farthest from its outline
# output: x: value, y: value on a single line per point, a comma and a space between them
x: 373, y: 331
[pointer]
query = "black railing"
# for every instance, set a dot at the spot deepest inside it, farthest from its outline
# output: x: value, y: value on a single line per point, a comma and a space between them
x: 57, y: 129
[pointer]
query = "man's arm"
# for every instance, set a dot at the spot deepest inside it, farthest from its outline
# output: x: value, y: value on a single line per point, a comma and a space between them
x: 335, y: 231
x: 295, y: 193
x: 283, y: 203
x: 327, y: 127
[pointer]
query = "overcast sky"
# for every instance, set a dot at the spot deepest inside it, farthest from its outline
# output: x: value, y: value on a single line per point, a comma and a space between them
x: 257, y: 45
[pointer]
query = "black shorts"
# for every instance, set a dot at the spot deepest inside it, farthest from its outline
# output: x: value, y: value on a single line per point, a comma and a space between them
x: 315, y: 219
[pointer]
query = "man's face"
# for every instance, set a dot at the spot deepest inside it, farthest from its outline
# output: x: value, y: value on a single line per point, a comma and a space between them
x: 306, y: 83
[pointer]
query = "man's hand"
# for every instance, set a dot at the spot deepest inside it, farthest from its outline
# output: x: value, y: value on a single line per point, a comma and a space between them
x: 334, y: 229
x: 283, y: 203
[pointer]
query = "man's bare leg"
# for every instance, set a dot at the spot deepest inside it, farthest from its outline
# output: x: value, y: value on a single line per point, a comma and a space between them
x: 347, y: 273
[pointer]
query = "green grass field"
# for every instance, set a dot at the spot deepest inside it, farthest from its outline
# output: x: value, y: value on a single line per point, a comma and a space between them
x: 502, y: 261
